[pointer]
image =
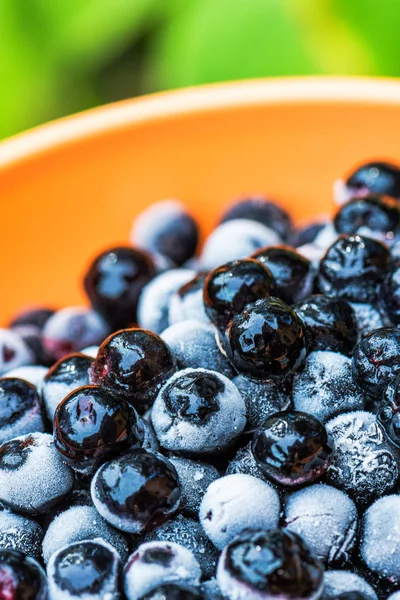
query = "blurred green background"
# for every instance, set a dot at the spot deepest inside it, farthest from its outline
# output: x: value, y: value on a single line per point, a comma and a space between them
x: 62, y: 56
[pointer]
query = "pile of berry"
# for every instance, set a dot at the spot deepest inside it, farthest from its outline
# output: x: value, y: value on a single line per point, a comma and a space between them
x: 242, y: 441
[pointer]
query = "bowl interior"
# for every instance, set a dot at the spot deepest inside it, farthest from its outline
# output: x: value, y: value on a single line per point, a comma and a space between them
x: 71, y: 188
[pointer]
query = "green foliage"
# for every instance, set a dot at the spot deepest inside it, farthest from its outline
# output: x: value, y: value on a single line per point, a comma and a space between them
x: 60, y: 56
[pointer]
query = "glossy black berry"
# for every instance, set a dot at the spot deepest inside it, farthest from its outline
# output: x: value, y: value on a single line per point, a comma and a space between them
x: 376, y: 361
x: 92, y: 425
x: 353, y: 268
x: 21, y: 577
x: 293, y: 273
x: 330, y: 323
x: 137, y: 491
x: 266, y: 340
x: 114, y: 281
x: 229, y: 288
x: 263, y: 211
x: 20, y: 408
x: 390, y: 293
x: 173, y: 591
x: 269, y: 564
x: 375, y: 178
x: 292, y: 448
x: 379, y: 214
x: 133, y: 363
x: 389, y: 411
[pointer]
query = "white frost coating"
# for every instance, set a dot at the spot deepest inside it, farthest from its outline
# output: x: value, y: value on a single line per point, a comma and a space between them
x: 156, y: 563
x: 368, y: 318
x: 380, y: 539
x: 341, y: 193
x: 20, y: 533
x: 364, y: 464
x: 238, y: 238
x: 30, y: 421
x: 195, y: 477
x: 244, y: 462
x: 261, y: 399
x: 194, y: 345
x: 39, y: 480
x: 326, y: 236
x: 338, y: 582
x: 54, y: 391
x: 70, y: 555
x: 148, y: 224
x: 153, y: 306
x: 395, y: 596
x: 325, y: 386
x: 312, y: 252
x: 237, y: 502
x: 325, y: 518
x: 13, y: 351
x: 81, y: 523
x: 219, y: 431
x: 190, y: 307
x: 78, y: 325
x: 33, y: 374
x: 90, y: 351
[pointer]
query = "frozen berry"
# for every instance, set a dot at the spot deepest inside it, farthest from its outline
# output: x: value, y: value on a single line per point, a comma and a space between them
x: 337, y: 583
x: 353, y: 268
x: 380, y: 538
x: 266, y: 340
x: 390, y: 293
x: 88, y: 569
x: 173, y: 591
x: 35, y: 317
x: 261, y: 210
x: 166, y: 228
x: 235, y: 239
x: 154, y: 300
x: 187, y: 302
x: 210, y: 590
x: 136, y: 491
x: 309, y: 232
x: 326, y: 519
x: 364, y: 463
x: 33, y: 477
x: 20, y: 533
x: 195, y: 344
x: 21, y: 577
x: 237, y: 502
x: 20, y: 410
x: 368, y: 317
x: 190, y: 534
x: 71, y: 329
x: 33, y: 374
x: 198, y: 412
x: 292, y: 448
x: 229, y: 288
x: 389, y: 411
x: 114, y: 281
x: 262, y: 399
x: 158, y: 563
x: 244, y: 462
x: 133, y: 363
x: 376, y: 361
x: 262, y: 565
x: 66, y: 375
x: 91, y: 425
x: 81, y: 523
x: 325, y: 386
x: 14, y: 352
x: 373, y: 216
x: 331, y: 323
x: 293, y: 273
x: 194, y: 477
x: 374, y: 178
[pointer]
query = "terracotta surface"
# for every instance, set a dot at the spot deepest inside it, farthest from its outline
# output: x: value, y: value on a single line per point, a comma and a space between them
x: 72, y: 187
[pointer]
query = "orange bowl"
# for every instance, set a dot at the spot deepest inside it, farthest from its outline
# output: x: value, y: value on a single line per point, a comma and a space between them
x: 70, y: 188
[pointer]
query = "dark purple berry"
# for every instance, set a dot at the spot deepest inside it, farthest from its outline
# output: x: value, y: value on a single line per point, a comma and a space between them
x: 353, y: 268
x: 389, y: 411
x: 266, y: 340
x: 292, y: 448
x: 379, y: 214
x: 390, y: 293
x: 91, y: 425
x: 330, y: 323
x: 308, y: 234
x: 133, y: 363
x: 137, y: 491
x: 261, y: 564
x: 374, y: 178
x: 29, y: 325
x: 262, y: 210
x: 21, y: 577
x: 35, y: 317
x: 293, y: 273
x: 20, y: 408
x: 173, y: 591
x: 229, y: 288
x: 352, y: 596
x: 114, y: 281
x: 376, y: 361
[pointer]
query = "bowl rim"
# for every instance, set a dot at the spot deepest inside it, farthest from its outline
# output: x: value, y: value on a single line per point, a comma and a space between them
x: 196, y: 100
